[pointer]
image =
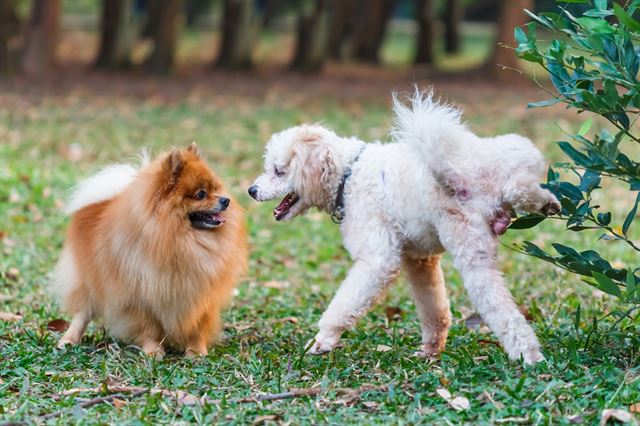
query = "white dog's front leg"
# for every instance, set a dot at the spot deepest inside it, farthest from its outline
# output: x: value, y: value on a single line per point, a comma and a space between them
x: 360, y: 290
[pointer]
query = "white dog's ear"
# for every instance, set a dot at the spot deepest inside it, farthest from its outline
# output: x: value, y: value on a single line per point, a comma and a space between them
x: 317, y: 168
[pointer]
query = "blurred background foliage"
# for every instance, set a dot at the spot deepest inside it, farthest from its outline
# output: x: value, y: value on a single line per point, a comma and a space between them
x: 303, y: 35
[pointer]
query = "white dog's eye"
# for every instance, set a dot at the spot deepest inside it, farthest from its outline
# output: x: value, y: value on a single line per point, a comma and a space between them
x: 279, y: 172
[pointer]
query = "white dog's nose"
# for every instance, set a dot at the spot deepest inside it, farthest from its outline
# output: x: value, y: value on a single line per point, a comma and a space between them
x: 253, y: 191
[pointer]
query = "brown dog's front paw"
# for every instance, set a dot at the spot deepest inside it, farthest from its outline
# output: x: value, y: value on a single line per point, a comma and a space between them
x: 153, y: 350
x: 65, y: 340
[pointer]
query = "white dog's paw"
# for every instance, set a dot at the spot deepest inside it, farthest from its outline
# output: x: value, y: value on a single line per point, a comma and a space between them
x: 532, y: 356
x: 323, y: 344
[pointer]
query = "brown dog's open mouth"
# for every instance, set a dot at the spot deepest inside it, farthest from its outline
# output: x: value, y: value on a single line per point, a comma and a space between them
x: 285, y: 205
x: 206, y: 219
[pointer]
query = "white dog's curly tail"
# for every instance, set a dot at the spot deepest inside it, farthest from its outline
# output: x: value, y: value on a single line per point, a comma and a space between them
x: 435, y: 130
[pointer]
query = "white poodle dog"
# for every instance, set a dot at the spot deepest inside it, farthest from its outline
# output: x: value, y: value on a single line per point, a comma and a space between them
x: 401, y: 205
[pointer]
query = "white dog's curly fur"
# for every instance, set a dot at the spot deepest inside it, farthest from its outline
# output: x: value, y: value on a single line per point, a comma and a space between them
x: 437, y: 187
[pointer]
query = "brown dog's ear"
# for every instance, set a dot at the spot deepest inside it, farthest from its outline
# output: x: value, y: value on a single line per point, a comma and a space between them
x: 173, y: 166
x: 193, y: 148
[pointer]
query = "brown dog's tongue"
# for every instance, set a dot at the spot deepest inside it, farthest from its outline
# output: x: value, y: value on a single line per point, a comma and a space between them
x: 218, y: 217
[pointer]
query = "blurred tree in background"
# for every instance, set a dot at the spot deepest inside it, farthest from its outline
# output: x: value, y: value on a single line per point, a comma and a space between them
x: 321, y: 30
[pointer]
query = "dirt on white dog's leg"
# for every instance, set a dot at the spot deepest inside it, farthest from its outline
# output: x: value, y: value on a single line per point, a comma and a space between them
x: 432, y: 304
x: 360, y: 290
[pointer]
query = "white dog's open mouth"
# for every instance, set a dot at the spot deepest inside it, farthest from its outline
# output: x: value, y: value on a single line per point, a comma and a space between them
x: 285, y: 205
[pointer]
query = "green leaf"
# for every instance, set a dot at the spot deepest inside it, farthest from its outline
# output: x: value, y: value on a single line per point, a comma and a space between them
x: 595, y: 25
x: 606, y: 284
x: 589, y: 181
x: 604, y: 218
x: 526, y: 222
x: 631, y: 285
x: 585, y: 127
x: 543, y: 103
x: 520, y: 35
x: 631, y: 216
x: 574, y: 154
x: 625, y: 18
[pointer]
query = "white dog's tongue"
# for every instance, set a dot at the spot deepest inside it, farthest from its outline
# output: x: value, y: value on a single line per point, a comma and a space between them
x: 284, y: 204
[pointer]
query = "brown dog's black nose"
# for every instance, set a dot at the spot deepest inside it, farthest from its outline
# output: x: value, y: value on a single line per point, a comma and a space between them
x: 224, y: 202
x: 253, y: 191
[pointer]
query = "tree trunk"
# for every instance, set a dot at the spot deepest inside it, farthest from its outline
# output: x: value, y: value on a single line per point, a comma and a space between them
x: 453, y: 13
x: 313, y: 36
x: 9, y: 27
x: 342, y: 16
x: 510, y: 16
x: 164, y: 33
x: 195, y: 9
x: 41, y: 37
x: 424, y: 46
x: 271, y: 10
x: 373, y: 26
x: 236, y: 45
x: 118, y: 33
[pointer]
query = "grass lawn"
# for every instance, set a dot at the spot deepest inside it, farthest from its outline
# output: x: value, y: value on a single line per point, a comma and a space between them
x: 53, y: 135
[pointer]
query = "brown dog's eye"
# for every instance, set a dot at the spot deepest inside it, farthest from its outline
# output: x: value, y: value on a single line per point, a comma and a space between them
x: 279, y: 172
x: 201, y: 195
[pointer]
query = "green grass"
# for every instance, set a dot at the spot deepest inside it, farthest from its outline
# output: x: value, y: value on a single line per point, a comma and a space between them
x: 589, y: 368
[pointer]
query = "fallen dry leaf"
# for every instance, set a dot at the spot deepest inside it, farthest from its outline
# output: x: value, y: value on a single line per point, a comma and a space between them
x: 266, y: 418
x: 6, y: 316
x: 371, y: 405
x: 635, y: 408
x: 13, y: 274
x: 393, y: 313
x: 118, y: 403
x: 183, y: 397
x: 292, y: 320
x: 473, y: 322
x: 524, y: 310
x: 575, y: 419
x: 383, y: 348
x: 444, y: 393
x: 615, y: 413
x: 58, y: 325
x: 279, y: 285
x: 459, y: 403
x: 512, y: 420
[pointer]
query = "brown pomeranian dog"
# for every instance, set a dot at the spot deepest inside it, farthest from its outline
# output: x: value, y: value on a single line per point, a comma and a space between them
x: 154, y: 252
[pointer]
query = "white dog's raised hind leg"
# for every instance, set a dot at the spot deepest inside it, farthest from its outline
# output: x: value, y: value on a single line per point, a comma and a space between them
x: 474, y: 249
x: 525, y: 194
x: 360, y: 290
x: 432, y: 304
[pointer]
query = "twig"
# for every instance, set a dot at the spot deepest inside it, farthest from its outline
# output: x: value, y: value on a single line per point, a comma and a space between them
x: 95, y: 401
x: 131, y: 392
x: 6, y: 316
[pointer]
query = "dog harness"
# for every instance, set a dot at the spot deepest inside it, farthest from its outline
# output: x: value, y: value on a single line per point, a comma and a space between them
x: 337, y: 214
